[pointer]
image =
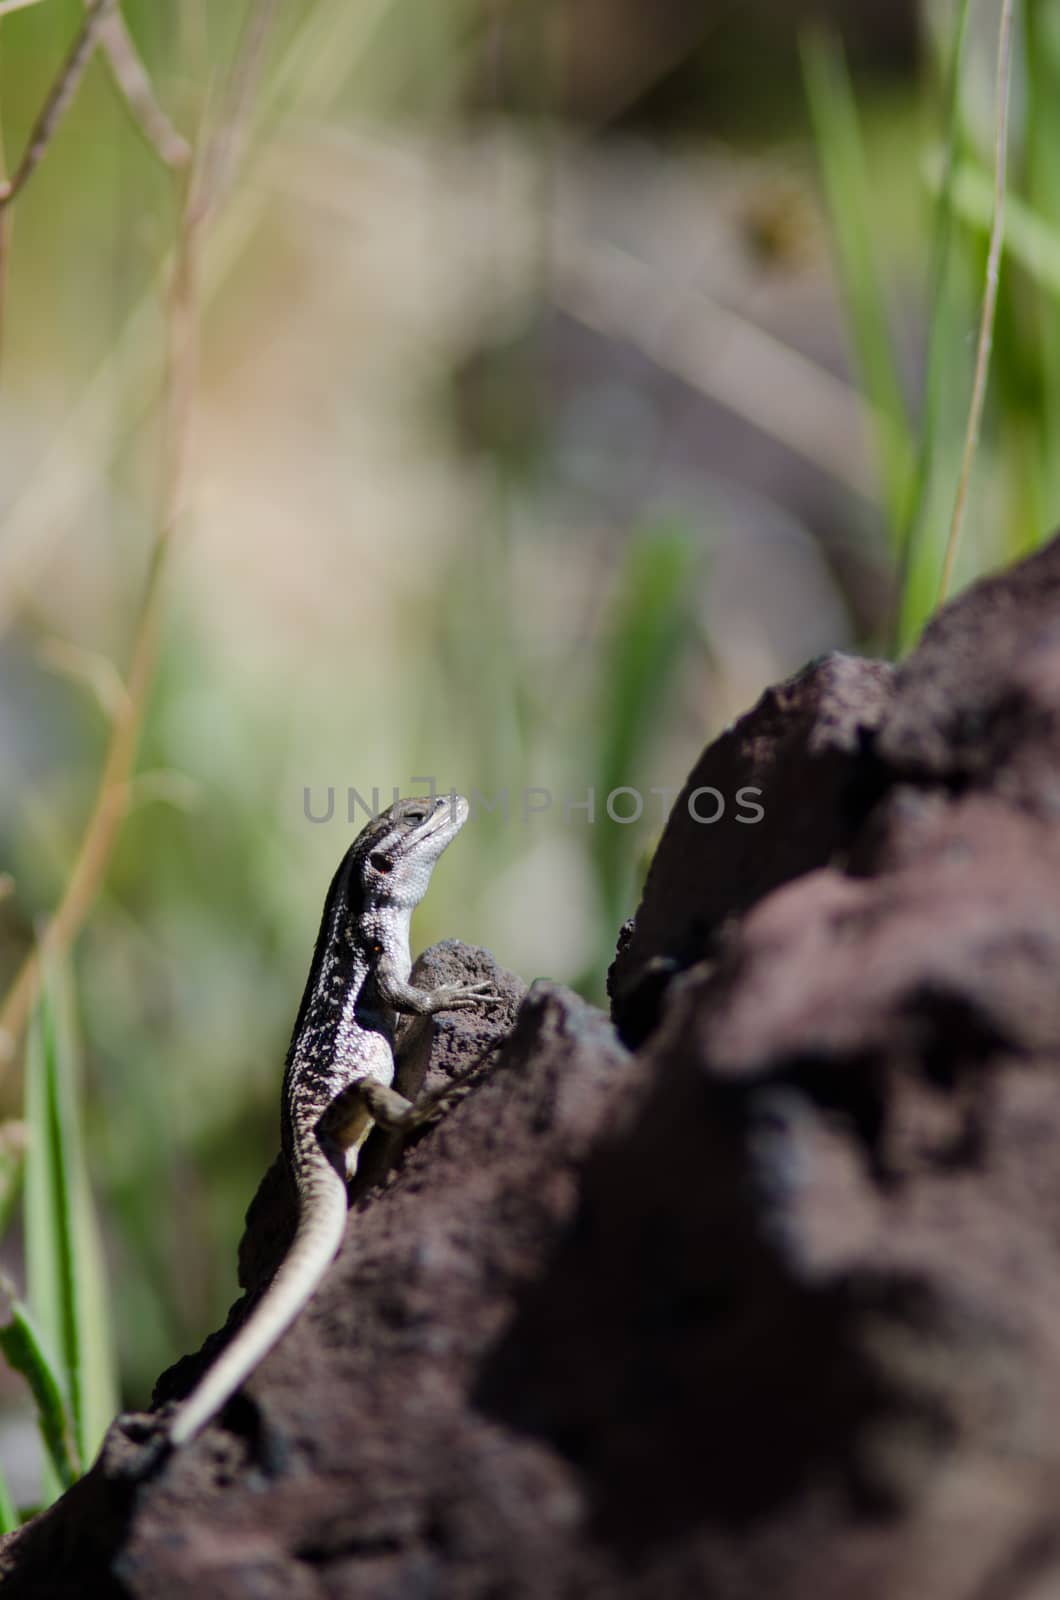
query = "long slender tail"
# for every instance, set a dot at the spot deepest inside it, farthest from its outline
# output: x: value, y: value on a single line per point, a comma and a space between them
x: 321, y: 1225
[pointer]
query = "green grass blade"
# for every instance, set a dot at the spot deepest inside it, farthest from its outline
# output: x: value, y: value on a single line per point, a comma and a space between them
x: 97, y: 1392
x: 24, y: 1350
x: 9, y: 1517
x: 1042, y: 56
x: 41, y: 1212
x: 988, y: 310
x: 1030, y: 239
x: 840, y: 150
x: 920, y: 559
x: 67, y: 1289
x: 12, y: 1167
x: 651, y: 623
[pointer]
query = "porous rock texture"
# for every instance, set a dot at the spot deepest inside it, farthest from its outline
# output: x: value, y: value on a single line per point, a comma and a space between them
x: 769, y: 1305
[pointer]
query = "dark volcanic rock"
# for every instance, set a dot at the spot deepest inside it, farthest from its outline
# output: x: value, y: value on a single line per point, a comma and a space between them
x: 771, y: 1307
x: 795, y: 784
x: 977, y: 704
x: 354, y: 1452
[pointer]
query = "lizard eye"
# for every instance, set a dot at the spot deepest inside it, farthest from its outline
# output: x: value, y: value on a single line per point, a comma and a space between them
x: 380, y: 862
x: 417, y: 815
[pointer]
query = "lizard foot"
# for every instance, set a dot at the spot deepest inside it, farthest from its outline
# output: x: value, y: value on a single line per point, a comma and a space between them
x: 461, y: 996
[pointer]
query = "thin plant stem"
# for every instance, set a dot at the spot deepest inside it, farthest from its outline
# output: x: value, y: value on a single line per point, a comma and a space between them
x: 227, y: 147
x: 59, y: 97
x: 113, y: 795
x: 113, y: 792
x: 986, y: 320
x: 134, y: 85
x: 309, y: 74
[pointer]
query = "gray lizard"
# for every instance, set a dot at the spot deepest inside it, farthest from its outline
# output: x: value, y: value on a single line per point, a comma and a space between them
x: 340, y: 1065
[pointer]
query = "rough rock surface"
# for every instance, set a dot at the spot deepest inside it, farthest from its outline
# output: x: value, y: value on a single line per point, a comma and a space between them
x: 800, y: 759
x: 771, y: 1306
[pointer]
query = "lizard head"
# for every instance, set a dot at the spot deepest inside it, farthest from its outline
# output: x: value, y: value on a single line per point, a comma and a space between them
x: 395, y: 853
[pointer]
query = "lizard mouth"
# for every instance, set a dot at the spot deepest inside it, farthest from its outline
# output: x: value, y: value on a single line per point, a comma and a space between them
x: 450, y: 812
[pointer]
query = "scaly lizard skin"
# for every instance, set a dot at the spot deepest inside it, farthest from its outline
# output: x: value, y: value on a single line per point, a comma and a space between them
x: 340, y: 1065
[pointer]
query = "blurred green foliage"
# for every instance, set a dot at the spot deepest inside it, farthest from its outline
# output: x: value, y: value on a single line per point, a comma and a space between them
x: 74, y: 1384
x: 433, y: 527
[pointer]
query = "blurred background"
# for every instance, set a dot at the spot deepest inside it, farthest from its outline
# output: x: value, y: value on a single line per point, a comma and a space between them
x: 570, y: 370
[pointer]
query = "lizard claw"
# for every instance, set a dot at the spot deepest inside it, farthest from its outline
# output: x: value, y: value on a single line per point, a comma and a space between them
x: 461, y: 996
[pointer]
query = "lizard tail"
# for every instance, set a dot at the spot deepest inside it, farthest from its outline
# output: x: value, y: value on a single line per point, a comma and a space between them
x: 321, y: 1225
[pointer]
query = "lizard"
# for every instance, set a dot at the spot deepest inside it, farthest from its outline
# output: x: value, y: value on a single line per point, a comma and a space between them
x: 339, y: 1070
